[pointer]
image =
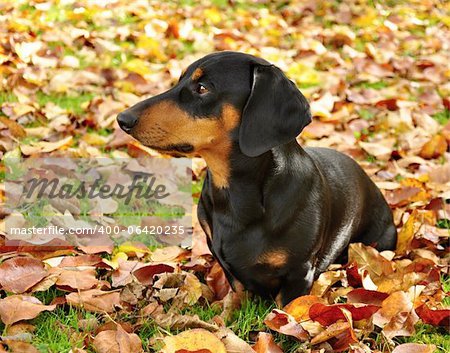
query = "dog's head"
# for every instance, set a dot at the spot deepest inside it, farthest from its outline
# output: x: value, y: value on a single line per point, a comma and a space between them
x: 222, y: 99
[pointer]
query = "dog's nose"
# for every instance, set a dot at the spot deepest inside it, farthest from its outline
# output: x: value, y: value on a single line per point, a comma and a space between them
x: 127, y: 121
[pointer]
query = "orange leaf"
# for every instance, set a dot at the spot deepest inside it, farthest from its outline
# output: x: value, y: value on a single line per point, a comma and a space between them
x: 299, y: 308
x: 434, y: 148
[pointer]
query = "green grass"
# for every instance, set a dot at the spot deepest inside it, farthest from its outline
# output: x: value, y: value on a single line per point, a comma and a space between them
x: 442, y: 117
x: 366, y: 114
x: 7, y: 97
x: 428, y: 334
x: 373, y: 85
x: 71, y: 103
x: 250, y: 317
x: 58, y: 331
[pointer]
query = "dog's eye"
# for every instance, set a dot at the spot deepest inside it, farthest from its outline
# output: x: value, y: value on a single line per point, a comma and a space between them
x: 201, y: 89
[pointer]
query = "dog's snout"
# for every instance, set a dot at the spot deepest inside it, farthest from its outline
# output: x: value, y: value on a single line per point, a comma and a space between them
x: 127, y: 121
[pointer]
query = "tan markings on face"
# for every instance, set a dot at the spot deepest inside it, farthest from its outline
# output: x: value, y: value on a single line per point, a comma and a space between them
x: 279, y: 300
x: 275, y: 258
x: 196, y: 74
x: 165, y: 124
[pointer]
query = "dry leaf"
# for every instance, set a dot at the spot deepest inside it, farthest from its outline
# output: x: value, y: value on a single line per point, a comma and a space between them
x: 193, y: 340
x: 19, y: 274
x: 21, y: 307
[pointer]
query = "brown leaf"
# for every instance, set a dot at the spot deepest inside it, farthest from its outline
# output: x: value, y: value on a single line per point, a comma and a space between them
x: 217, y: 281
x: 325, y: 281
x: 332, y: 331
x: 81, y: 280
x: 192, y: 341
x: 19, y: 274
x: 20, y: 347
x: 145, y: 273
x: 16, y: 129
x: 21, y: 307
x: 412, y: 190
x: 44, y: 146
x: 80, y: 260
x: 368, y: 258
x: 184, y: 288
x: 119, y: 341
x: 396, y: 316
x: 414, y: 348
x: 266, y: 344
x: 95, y: 300
x: 232, y: 342
x: 434, y: 148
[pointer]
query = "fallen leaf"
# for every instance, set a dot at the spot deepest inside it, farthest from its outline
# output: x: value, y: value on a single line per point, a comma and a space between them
x: 21, y: 307
x: 436, y: 317
x: 329, y: 314
x: 19, y: 274
x: 20, y: 347
x: 368, y: 258
x: 284, y: 323
x: 434, y: 148
x: 119, y: 341
x: 299, y: 307
x: 95, y: 300
x: 414, y: 348
x: 75, y: 279
x: 396, y: 316
x: 406, y: 235
x: 145, y: 273
x: 43, y: 146
x: 266, y: 344
x: 16, y: 129
x: 192, y: 341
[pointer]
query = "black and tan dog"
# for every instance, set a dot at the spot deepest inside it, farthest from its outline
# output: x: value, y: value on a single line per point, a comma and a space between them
x: 276, y: 214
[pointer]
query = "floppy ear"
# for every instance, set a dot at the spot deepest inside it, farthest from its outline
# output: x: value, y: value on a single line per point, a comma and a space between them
x: 275, y: 112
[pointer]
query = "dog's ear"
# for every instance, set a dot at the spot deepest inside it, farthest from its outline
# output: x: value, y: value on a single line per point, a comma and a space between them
x: 275, y: 112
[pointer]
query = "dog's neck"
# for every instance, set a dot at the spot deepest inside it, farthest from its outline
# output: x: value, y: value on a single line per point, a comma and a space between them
x: 231, y: 169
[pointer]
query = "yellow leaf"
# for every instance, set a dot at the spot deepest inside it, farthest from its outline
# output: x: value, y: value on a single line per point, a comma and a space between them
x: 133, y: 249
x: 43, y: 146
x: 303, y: 74
x: 95, y: 139
x: 152, y: 46
x: 116, y: 259
x: 406, y: 234
x: 193, y: 340
x: 213, y: 15
x: 367, y: 19
x: 137, y: 65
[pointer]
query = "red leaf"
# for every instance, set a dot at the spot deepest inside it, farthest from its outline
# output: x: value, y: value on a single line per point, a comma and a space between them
x: 145, y: 274
x: 353, y: 277
x: 329, y: 314
x: 434, y: 317
x: 390, y: 104
x: 366, y: 296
